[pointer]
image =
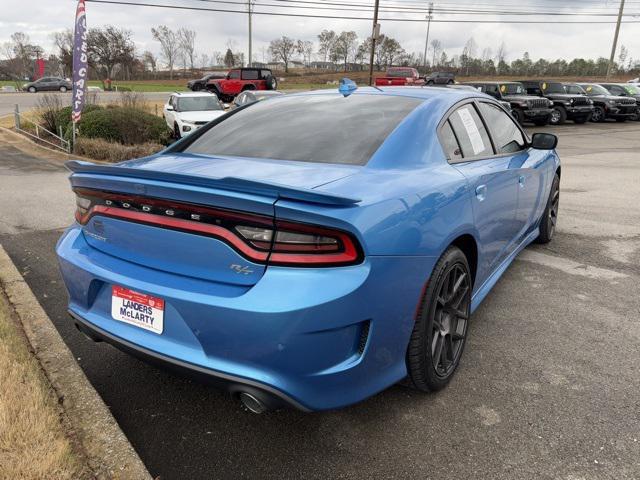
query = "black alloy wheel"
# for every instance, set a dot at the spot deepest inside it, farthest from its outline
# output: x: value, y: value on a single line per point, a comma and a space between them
x: 440, y: 331
x: 597, y: 115
x: 549, y: 219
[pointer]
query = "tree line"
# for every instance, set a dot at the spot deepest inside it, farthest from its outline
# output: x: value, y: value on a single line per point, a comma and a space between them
x: 113, y: 54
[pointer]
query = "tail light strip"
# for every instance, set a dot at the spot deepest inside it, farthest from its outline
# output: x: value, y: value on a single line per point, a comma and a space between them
x: 220, y: 224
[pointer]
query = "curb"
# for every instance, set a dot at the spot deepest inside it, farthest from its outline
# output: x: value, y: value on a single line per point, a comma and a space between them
x: 109, y: 453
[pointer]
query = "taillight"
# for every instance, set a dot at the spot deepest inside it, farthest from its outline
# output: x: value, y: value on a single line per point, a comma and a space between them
x: 259, y: 238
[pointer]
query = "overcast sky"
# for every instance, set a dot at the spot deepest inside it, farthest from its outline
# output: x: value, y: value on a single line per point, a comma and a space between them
x: 39, y: 18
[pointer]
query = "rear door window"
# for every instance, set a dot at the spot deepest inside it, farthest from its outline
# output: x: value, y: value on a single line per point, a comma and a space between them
x: 250, y: 75
x: 450, y: 144
x: 471, y: 133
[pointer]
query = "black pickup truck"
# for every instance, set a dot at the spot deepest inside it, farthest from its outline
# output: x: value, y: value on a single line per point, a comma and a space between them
x: 606, y: 106
x: 565, y: 106
x: 524, y: 108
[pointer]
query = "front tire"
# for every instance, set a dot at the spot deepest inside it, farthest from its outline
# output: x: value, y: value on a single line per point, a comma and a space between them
x: 518, y: 115
x: 32, y: 90
x: 558, y: 116
x: 440, y: 331
x: 63, y: 89
x: 550, y: 215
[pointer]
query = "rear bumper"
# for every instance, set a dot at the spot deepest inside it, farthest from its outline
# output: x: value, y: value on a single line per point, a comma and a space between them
x: 312, y: 338
x: 270, y: 396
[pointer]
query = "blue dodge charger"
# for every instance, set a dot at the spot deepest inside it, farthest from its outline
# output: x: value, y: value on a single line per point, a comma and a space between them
x: 313, y: 249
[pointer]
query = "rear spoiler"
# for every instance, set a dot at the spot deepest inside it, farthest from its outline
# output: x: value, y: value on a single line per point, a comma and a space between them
x: 226, y: 183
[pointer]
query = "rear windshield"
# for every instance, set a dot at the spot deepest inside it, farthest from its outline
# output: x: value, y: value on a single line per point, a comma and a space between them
x: 314, y: 128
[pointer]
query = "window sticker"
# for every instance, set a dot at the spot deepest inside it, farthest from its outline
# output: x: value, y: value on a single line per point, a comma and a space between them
x: 544, y: 86
x: 503, y: 88
x: 472, y: 130
x: 589, y: 88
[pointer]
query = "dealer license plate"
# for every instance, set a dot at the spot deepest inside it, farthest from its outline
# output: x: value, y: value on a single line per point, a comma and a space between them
x: 138, y: 309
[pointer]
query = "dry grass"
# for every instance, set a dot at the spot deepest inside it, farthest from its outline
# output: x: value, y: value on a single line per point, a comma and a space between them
x: 33, y: 443
x: 99, y: 149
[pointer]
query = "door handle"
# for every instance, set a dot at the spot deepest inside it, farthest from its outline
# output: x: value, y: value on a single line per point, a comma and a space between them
x: 481, y: 192
x: 521, y: 180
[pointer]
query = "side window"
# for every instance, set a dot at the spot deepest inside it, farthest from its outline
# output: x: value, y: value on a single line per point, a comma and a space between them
x: 450, y: 144
x: 616, y: 90
x: 250, y: 75
x: 234, y: 75
x: 506, y: 135
x: 470, y: 132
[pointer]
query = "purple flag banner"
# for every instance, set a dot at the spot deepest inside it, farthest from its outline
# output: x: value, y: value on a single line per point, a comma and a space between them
x: 80, y: 70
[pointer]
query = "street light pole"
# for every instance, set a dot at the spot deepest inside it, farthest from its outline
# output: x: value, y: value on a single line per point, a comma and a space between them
x: 615, y: 40
x: 375, y: 32
x: 426, y: 43
x: 250, y: 52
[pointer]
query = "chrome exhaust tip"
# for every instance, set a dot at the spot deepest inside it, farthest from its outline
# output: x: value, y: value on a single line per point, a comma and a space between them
x: 251, y: 403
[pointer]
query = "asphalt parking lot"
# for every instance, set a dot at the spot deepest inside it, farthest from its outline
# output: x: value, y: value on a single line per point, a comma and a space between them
x: 549, y: 382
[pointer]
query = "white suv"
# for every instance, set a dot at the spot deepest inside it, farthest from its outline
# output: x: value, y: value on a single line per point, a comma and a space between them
x: 186, y: 112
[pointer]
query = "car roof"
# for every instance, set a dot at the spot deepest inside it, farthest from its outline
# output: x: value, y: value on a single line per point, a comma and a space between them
x: 193, y: 94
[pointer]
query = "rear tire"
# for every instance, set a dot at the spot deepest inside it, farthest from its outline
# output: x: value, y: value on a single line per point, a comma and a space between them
x: 441, y: 326
x: 63, y: 89
x: 550, y: 215
x: 598, y: 115
x: 271, y: 82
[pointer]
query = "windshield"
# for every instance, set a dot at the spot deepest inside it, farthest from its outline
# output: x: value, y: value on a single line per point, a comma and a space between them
x: 574, y: 89
x: 595, y: 90
x: 512, y: 89
x: 198, y: 104
x: 400, y: 73
x: 325, y: 128
x: 552, y: 88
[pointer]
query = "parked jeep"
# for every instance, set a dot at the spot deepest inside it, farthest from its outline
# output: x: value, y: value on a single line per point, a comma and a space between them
x: 241, y: 79
x: 440, y: 78
x: 525, y: 108
x: 565, y: 106
x: 201, y: 83
x: 605, y: 105
x: 625, y: 90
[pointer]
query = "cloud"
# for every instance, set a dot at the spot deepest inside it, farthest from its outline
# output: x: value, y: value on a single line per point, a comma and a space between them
x: 215, y: 30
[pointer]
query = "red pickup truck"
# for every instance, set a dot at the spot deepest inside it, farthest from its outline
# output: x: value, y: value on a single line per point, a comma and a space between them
x: 241, y: 79
x: 400, y: 76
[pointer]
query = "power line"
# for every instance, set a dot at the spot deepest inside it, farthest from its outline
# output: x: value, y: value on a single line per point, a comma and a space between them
x: 342, y: 17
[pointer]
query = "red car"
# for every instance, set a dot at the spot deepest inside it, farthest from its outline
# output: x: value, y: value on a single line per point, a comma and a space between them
x: 241, y: 79
x: 400, y: 76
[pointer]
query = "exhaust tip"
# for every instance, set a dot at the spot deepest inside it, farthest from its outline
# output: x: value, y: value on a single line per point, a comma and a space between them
x: 251, y: 403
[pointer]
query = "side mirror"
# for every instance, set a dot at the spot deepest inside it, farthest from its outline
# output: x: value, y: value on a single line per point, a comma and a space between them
x: 544, y: 141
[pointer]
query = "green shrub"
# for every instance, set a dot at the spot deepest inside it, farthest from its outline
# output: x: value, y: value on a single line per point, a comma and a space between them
x: 99, y: 149
x: 128, y: 126
x: 63, y: 116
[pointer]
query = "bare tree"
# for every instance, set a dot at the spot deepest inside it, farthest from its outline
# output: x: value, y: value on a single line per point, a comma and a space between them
x: 501, y: 55
x: 63, y: 41
x: 346, y: 47
x: 150, y: 61
x: 282, y: 49
x: 436, y: 46
x: 169, y: 45
x: 305, y: 48
x: 19, y: 55
x: 327, y: 40
x: 187, y: 42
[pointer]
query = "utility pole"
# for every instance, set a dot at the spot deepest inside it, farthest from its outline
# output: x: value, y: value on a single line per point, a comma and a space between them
x: 615, y: 40
x: 249, y: 61
x: 426, y: 43
x: 375, y: 33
